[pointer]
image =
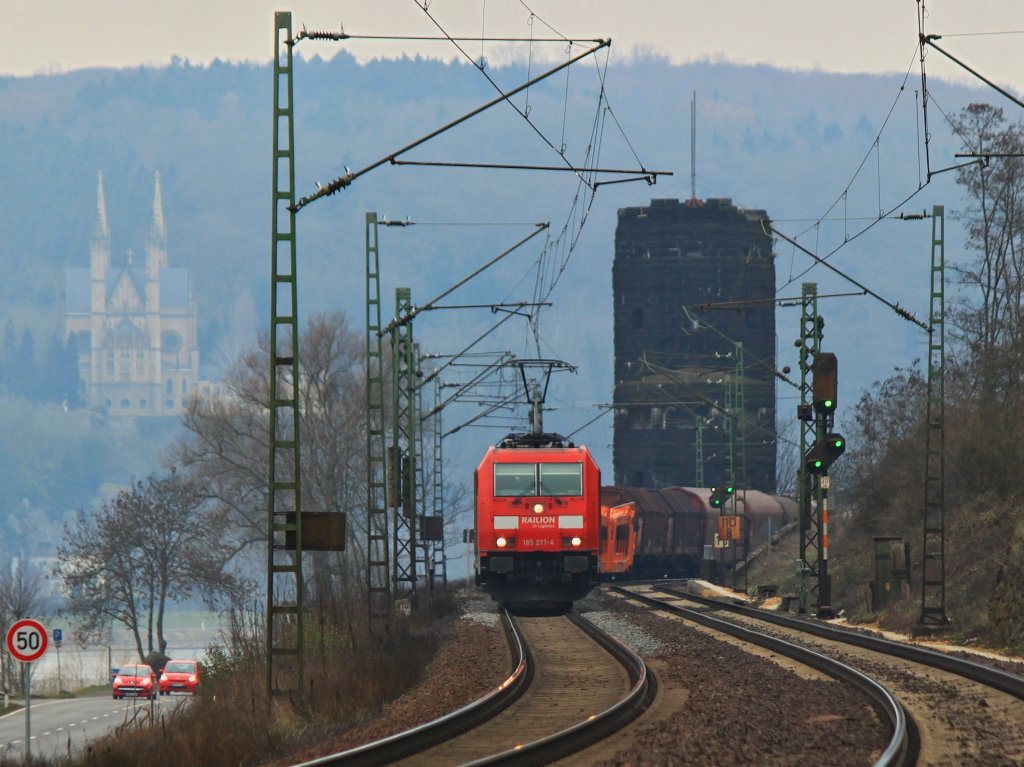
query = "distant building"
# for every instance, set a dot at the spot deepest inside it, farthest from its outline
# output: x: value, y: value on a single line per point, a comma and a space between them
x: 694, y: 289
x: 134, y: 325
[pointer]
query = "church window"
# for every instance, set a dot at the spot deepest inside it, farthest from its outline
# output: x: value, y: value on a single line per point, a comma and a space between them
x: 125, y: 404
x: 170, y: 341
x: 169, y: 387
x: 184, y: 386
x: 140, y: 358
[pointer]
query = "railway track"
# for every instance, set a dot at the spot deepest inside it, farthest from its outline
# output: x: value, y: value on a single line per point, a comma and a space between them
x: 573, y: 684
x: 958, y: 711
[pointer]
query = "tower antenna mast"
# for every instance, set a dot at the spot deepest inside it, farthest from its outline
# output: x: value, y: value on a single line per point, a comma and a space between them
x: 693, y: 147
x: 693, y: 202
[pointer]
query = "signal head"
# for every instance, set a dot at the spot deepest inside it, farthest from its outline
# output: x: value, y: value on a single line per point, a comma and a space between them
x: 823, y: 453
x: 825, y: 383
x: 719, y: 495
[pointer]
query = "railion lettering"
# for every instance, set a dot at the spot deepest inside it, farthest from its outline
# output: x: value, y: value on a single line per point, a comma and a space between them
x: 538, y: 521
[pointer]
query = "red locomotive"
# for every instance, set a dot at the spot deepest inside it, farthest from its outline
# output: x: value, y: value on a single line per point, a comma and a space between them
x: 538, y: 517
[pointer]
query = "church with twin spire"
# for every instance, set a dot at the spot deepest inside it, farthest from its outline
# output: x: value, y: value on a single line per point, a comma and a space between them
x: 134, y: 325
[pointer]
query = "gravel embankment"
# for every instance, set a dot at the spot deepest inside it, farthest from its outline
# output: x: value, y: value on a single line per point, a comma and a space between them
x: 721, y: 704
x: 778, y: 717
x: 471, y: 663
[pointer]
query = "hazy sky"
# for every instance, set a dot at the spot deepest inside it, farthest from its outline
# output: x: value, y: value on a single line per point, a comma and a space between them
x: 859, y: 36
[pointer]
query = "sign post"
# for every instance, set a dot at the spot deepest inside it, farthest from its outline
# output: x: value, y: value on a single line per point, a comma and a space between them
x: 27, y: 641
x: 58, y: 637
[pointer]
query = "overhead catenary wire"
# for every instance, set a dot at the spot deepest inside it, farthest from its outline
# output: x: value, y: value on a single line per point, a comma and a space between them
x: 504, y: 403
x: 341, y: 34
x: 506, y: 97
x: 346, y: 180
x: 577, y: 215
x: 604, y: 410
x: 455, y: 357
x: 899, y: 310
x: 926, y: 96
x: 548, y: 268
x: 404, y: 319
x: 930, y: 41
x: 842, y: 196
x: 823, y: 260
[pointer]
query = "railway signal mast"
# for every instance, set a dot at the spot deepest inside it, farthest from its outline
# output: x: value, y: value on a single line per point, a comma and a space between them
x: 828, y: 446
x: 820, y: 446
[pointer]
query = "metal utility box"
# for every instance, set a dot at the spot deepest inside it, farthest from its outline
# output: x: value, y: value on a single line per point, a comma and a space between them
x: 321, y: 531
x: 432, y: 528
x: 890, y: 572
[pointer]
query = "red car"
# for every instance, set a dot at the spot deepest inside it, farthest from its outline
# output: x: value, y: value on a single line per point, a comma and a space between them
x: 135, y: 680
x: 180, y: 676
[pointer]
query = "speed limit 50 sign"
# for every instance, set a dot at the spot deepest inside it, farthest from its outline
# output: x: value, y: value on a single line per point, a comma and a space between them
x: 26, y: 640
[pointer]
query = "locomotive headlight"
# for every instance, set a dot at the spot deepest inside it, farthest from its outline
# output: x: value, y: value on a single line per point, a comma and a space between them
x: 502, y: 542
x: 577, y: 541
x: 538, y: 508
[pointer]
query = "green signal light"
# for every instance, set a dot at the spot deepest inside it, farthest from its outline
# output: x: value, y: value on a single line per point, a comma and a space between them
x: 829, y: 404
x: 837, y: 443
x: 817, y: 464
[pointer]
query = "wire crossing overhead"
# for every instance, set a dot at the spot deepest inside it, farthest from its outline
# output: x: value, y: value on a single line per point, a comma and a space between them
x: 325, y: 190
x: 410, y: 314
x: 341, y: 34
x: 593, y: 46
x: 895, y: 307
x: 929, y: 40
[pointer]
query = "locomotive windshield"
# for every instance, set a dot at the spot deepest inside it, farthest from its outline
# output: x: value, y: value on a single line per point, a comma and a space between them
x: 520, y: 479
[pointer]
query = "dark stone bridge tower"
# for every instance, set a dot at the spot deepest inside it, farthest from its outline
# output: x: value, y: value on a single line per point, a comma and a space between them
x: 692, y: 280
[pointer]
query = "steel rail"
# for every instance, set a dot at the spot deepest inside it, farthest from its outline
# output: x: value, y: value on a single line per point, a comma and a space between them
x: 402, y: 744
x: 595, y: 728
x: 901, y: 749
x: 1012, y: 684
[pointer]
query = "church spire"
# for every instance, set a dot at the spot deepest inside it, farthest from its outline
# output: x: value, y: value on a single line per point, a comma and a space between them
x: 157, y: 250
x: 100, y: 250
x: 102, y: 235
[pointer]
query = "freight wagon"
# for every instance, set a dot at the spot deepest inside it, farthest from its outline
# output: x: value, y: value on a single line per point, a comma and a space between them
x: 662, y: 533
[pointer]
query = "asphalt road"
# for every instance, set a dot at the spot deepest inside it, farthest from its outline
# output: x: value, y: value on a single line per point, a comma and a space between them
x: 67, y: 725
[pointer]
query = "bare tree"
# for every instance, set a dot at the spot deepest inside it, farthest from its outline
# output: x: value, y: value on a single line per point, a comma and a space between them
x: 885, y: 466
x: 988, y: 318
x: 153, y: 544
x: 21, y: 596
x: 227, y: 451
